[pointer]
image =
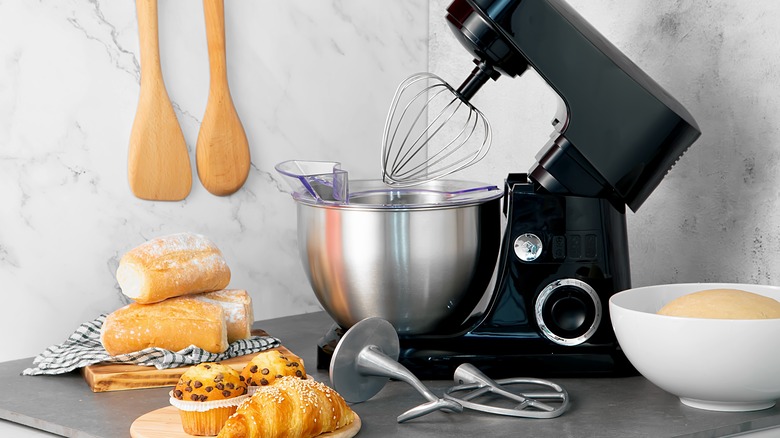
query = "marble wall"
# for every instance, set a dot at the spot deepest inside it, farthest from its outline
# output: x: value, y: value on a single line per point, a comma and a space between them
x: 312, y: 80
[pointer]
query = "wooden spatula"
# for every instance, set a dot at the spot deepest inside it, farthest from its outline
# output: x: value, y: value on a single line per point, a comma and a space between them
x: 158, y: 163
x: 222, y: 152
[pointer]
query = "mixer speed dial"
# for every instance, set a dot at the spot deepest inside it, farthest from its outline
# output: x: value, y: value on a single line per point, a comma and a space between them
x: 568, y: 311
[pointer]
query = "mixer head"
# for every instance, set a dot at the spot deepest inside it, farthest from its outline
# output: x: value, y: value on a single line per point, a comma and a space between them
x: 432, y: 130
x: 618, y: 132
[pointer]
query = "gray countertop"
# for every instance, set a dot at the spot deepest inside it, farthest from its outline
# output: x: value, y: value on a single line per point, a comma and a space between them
x: 601, y: 407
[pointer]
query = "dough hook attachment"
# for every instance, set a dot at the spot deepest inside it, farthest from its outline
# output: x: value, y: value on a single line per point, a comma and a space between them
x: 366, y: 358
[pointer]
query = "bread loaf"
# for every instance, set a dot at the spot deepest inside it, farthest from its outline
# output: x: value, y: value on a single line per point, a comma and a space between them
x: 239, y: 312
x: 172, y: 324
x: 723, y: 304
x: 291, y: 407
x: 170, y: 266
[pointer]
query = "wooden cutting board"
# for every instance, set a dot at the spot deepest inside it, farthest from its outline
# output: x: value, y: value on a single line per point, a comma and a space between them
x: 165, y: 423
x: 120, y: 377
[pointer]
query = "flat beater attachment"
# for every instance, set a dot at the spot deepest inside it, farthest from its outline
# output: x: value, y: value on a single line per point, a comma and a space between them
x: 478, y: 392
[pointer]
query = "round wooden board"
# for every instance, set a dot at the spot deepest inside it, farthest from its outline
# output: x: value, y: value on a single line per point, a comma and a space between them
x: 165, y: 423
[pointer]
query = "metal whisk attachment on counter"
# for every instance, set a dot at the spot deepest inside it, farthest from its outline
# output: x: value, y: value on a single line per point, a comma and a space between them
x: 432, y: 130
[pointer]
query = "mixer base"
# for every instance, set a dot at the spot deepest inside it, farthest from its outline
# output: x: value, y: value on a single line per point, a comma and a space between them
x: 434, y: 365
x: 440, y: 364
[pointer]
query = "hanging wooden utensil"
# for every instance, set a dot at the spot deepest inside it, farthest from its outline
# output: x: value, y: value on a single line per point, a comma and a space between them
x: 222, y: 151
x: 158, y: 163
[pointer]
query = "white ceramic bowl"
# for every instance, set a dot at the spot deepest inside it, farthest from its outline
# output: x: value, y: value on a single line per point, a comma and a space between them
x: 714, y: 364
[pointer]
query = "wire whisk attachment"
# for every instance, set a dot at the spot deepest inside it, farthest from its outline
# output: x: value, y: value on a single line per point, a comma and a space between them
x: 431, y: 131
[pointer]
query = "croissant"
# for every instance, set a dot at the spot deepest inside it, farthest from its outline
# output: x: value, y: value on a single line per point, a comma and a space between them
x: 289, y: 408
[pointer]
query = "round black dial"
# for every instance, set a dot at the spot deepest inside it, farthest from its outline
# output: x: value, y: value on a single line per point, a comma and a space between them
x: 568, y: 311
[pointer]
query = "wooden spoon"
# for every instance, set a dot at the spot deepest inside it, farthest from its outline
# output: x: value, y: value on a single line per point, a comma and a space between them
x: 222, y: 151
x: 158, y: 163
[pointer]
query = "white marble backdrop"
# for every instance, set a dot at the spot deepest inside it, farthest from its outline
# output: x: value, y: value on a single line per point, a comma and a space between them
x: 716, y: 216
x: 310, y: 80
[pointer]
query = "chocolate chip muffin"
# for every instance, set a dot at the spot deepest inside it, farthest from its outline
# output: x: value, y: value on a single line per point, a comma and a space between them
x: 270, y: 365
x: 206, y: 395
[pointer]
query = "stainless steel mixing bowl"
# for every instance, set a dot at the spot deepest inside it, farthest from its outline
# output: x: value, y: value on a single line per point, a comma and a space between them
x: 420, y: 257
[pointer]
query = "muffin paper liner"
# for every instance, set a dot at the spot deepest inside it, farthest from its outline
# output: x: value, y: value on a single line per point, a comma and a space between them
x: 197, y: 406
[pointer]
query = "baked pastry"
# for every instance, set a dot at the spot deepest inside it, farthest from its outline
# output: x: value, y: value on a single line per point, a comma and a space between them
x: 206, y: 395
x: 209, y: 381
x: 173, y: 324
x: 270, y: 365
x: 179, y: 322
x: 723, y: 304
x: 170, y: 266
x: 291, y: 407
x: 239, y: 313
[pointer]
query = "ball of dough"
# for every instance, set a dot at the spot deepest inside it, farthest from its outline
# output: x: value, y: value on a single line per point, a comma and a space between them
x: 723, y: 304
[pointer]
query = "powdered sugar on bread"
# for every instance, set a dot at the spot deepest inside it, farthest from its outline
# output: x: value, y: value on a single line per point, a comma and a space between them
x: 170, y: 266
x: 237, y: 305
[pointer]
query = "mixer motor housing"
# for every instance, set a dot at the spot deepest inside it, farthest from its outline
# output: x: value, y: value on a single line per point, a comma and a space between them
x: 561, y: 260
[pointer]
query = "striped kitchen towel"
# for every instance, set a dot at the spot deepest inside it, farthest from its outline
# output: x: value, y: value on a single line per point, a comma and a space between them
x: 83, y: 348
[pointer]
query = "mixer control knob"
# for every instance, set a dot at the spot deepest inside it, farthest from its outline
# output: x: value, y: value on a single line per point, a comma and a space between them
x: 568, y: 311
x: 528, y: 247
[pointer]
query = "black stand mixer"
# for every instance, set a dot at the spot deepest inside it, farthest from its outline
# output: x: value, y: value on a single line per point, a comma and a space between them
x: 565, y: 250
